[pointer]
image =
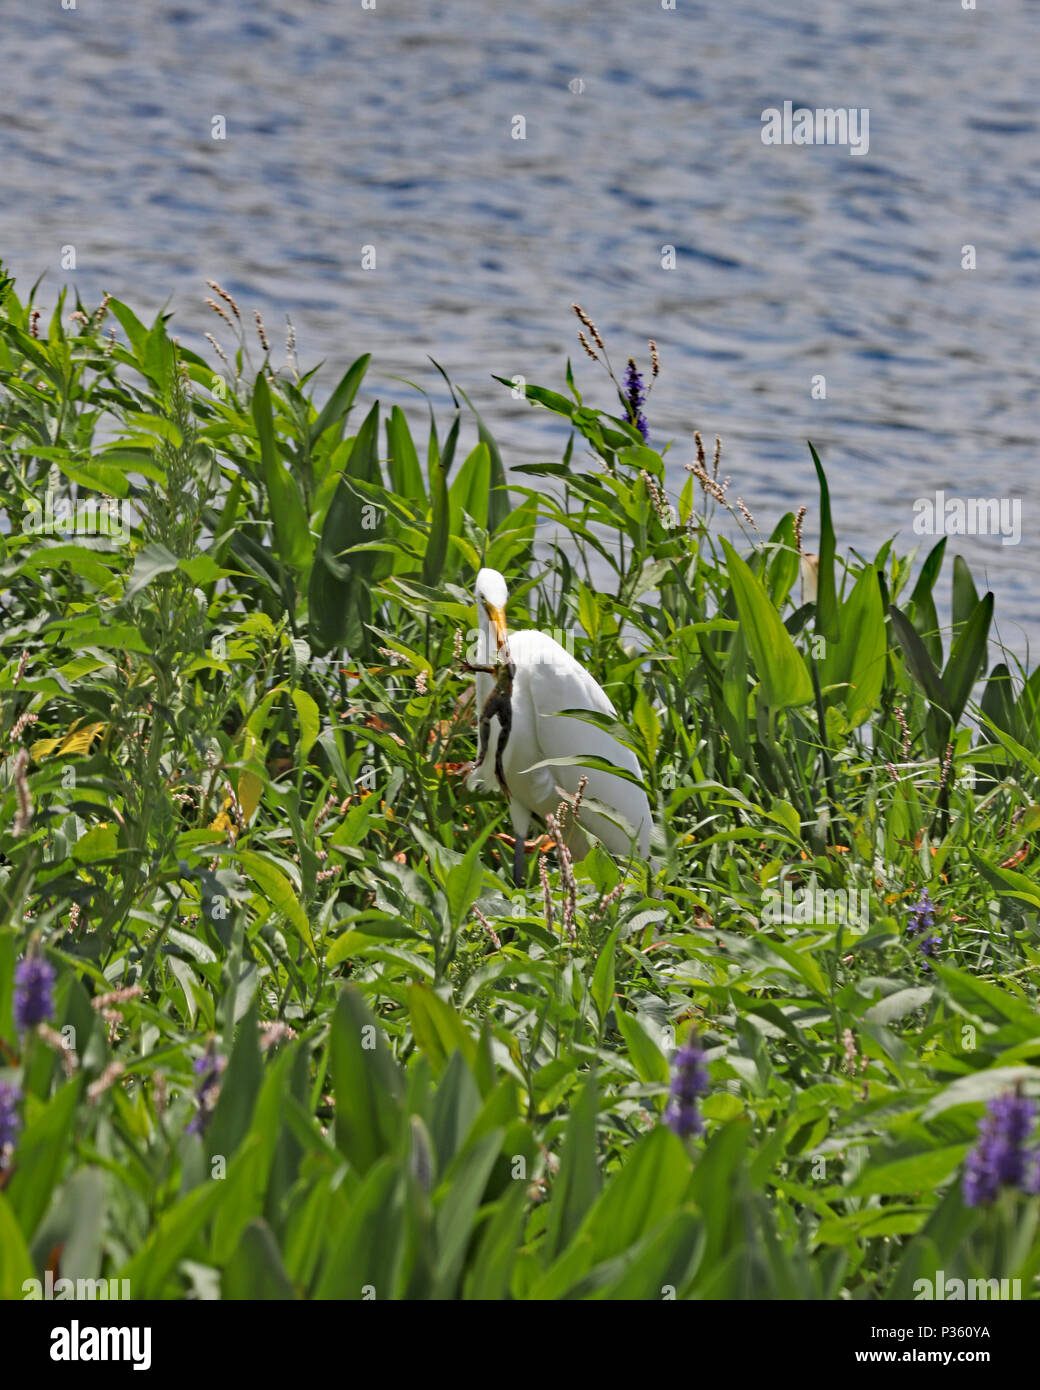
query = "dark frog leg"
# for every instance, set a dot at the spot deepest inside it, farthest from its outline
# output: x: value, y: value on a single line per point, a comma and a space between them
x: 504, y: 710
x: 499, y: 704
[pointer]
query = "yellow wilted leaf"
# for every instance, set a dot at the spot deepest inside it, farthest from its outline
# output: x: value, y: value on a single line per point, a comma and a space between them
x: 80, y: 741
x: 224, y: 822
x: 250, y: 786
x: 77, y: 740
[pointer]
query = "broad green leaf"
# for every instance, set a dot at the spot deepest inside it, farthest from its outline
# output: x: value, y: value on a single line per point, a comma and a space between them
x: 287, y: 510
x: 576, y: 1185
x: 405, y: 473
x: 255, y: 1271
x: 437, y: 1028
x: 280, y: 893
x: 649, y: 1061
x: 778, y: 663
x: 42, y: 1151
x: 16, y: 1265
x: 337, y: 407
x: 310, y: 721
x: 367, y: 1082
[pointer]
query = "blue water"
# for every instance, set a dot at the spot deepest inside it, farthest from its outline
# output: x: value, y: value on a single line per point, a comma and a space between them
x: 392, y: 128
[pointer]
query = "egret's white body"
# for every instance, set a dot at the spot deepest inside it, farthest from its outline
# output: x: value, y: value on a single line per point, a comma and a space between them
x: 547, y: 680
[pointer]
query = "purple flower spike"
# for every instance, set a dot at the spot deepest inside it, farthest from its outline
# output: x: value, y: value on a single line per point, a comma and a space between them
x: 921, y: 915
x: 930, y: 948
x: 689, y: 1081
x: 10, y: 1123
x: 1001, y: 1156
x: 208, y: 1069
x: 33, y: 992
x: 634, y: 398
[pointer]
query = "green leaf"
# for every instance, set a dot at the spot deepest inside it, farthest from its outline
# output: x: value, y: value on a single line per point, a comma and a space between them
x: 649, y: 1061
x: 576, y: 1185
x: 437, y: 1028
x: 972, y: 990
x: 499, y: 506
x: 42, y: 1151
x: 826, y: 595
x: 132, y: 327
x: 469, y: 492
x: 462, y: 885
x: 917, y: 659
x: 780, y: 668
x: 239, y: 1088
x: 857, y: 660
x: 488, y: 1276
x: 455, y: 1108
x: 714, y: 1185
x: 463, y: 1190
x: 660, y: 1261
x: 965, y: 595
x: 280, y: 893
x: 99, y: 843
x: 440, y: 527
x: 287, y: 511
x: 603, y: 978
x: 800, y: 961
x: 16, y: 1266
x: 1007, y: 882
x: 310, y: 722
x: 983, y: 1086
x: 967, y: 657
x: 337, y: 407
x: 644, y: 717
x: 364, y: 1251
x: 919, y: 1173
x: 1019, y: 751
x: 255, y: 1270
x: 648, y: 1188
x: 170, y: 1239
x: 405, y: 474
x: 926, y: 620
x: 367, y: 1084
x: 151, y: 561
x: 898, y: 1004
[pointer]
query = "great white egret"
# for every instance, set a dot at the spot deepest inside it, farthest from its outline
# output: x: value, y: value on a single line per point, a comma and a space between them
x: 524, y: 681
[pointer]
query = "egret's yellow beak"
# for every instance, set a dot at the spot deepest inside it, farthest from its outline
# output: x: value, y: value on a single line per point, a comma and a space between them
x: 498, y: 622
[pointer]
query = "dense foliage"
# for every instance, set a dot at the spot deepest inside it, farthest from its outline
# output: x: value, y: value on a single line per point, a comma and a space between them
x: 274, y: 1019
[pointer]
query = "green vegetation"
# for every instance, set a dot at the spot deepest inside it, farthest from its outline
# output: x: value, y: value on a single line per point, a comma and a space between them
x: 233, y: 825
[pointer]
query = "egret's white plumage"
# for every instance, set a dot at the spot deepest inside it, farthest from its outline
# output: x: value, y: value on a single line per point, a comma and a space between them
x: 547, y: 680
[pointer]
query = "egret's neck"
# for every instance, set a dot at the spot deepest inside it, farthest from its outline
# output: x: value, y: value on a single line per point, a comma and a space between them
x: 486, y: 656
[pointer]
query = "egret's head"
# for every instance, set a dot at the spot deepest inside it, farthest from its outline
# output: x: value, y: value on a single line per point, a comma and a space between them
x: 492, y: 597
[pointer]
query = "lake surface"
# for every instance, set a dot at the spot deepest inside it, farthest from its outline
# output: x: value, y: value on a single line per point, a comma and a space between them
x: 392, y: 128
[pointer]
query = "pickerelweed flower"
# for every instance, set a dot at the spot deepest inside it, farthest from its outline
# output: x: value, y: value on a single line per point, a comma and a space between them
x: 1001, y: 1157
x: 929, y: 948
x: 921, y: 915
x: 634, y: 398
x: 33, y: 992
x: 207, y: 1069
x: 10, y: 1124
x: 689, y: 1081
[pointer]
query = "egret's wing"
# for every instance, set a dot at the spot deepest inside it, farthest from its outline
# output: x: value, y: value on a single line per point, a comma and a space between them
x: 549, y: 680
